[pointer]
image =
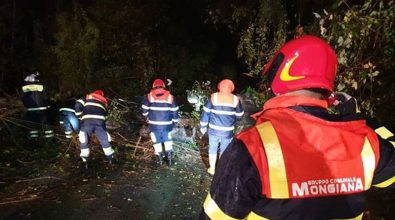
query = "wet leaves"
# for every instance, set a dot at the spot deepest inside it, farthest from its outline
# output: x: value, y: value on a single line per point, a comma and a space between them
x: 53, y: 174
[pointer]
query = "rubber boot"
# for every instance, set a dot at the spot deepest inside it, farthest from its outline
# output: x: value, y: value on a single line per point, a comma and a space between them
x: 110, y: 159
x: 212, y: 162
x: 211, y: 171
x: 170, y: 158
x: 159, y: 158
x: 85, y: 162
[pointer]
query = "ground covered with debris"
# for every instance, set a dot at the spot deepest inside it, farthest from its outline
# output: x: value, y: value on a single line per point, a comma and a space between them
x: 55, y: 186
x: 46, y: 180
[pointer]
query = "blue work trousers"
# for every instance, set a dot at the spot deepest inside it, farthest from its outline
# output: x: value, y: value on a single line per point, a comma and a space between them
x: 88, y: 129
x: 215, y: 141
x: 39, y: 121
x: 71, y: 123
x: 160, y: 136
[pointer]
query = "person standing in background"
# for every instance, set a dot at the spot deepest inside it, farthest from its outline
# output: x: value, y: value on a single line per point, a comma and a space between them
x: 68, y: 118
x: 220, y: 114
x: 92, y: 110
x: 161, y: 112
x: 36, y: 101
x: 300, y: 161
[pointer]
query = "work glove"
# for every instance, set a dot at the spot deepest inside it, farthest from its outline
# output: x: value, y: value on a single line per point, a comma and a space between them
x: 203, y: 130
x: 346, y: 104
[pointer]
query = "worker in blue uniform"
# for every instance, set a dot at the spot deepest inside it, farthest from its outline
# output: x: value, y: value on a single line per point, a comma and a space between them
x: 92, y: 111
x: 68, y: 118
x: 161, y: 111
x: 36, y: 101
x: 220, y: 114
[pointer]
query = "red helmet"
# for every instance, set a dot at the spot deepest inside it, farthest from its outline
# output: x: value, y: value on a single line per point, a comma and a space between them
x: 99, y: 92
x: 226, y: 85
x: 158, y: 83
x: 306, y: 62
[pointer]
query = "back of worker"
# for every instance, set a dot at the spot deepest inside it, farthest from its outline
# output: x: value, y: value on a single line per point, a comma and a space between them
x: 161, y: 112
x: 219, y: 114
x: 36, y: 101
x: 68, y: 118
x: 92, y: 111
x: 299, y: 161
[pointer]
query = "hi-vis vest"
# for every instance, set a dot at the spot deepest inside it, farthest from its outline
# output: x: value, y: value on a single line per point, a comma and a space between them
x: 34, y: 98
x: 224, y: 100
x: 93, y: 106
x: 303, y: 156
x: 220, y: 114
x: 165, y: 98
x: 161, y: 110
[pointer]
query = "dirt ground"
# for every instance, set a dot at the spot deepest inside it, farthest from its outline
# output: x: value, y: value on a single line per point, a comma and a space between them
x: 45, y: 180
x: 48, y: 182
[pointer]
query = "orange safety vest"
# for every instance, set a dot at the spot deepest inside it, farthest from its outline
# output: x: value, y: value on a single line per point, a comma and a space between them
x: 298, y: 155
x: 165, y: 98
x: 224, y: 99
x: 97, y: 97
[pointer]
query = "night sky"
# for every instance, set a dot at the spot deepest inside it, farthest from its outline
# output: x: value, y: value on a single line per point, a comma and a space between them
x: 179, y: 40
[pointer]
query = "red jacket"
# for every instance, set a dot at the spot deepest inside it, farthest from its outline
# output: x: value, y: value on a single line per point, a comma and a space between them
x: 300, y: 162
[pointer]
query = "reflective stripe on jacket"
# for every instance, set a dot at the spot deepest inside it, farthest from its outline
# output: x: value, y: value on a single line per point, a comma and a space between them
x: 68, y: 106
x: 220, y: 114
x: 258, y: 166
x: 35, y: 97
x: 93, y: 107
x: 315, y: 157
x: 160, y: 109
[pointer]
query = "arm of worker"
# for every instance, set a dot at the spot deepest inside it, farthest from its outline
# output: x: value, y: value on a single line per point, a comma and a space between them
x: 205, y: 117
x: 384, y: 176
x: 235, y: 187
x: 239, y: 110
x: 45, y: 96
x: 382, y: 131
x: 60, y: 116
x: 79, y: 107
x: 145, y: 106
x: 174, y: 112
x: 348, y: 106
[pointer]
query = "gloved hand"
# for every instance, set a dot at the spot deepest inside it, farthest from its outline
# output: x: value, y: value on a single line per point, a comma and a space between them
x: 203, y: 130
x: 345, y: 103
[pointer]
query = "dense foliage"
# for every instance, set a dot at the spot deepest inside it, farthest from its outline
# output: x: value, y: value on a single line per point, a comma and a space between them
x: 121, y: 46
x: 364, y: 38
x: 259, y: 25
x: 117, y: 45
x: 362, y: 34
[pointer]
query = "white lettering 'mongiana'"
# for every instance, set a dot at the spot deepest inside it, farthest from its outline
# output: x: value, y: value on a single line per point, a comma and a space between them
x: 326, y: 188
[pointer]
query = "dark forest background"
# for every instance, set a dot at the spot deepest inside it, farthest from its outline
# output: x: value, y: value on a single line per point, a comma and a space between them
x: 120, y: 46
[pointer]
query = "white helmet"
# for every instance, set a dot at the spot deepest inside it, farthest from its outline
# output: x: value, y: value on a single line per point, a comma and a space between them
x: 32, y: 77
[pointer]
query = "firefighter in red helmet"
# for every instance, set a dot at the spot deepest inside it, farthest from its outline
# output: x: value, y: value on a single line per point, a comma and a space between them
x: 299, y: 161
x: 161, y: 111
x: 219, y: 115
x: 92, y: 112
